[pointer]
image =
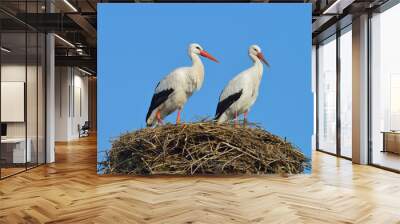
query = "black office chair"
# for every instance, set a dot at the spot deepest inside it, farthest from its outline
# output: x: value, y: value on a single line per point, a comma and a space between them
x: 84, y: 130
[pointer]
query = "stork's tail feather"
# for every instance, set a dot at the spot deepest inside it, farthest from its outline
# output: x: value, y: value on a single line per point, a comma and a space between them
x: 150, y: 120
x: 223, y: 106
x: 220, y: 118
x: 217, y: 118
x: 218, y: 113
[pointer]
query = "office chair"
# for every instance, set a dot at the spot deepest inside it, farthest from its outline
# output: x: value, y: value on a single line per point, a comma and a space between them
x: 84, y: 130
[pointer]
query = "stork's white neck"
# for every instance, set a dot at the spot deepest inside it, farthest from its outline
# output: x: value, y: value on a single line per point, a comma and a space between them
x: 198, y: 70
x: 197, y: 63
x: 257, y: 64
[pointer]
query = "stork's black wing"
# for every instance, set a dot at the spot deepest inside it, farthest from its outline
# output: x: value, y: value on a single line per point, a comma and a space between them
x: 224, y: 104
x: 158, y: 99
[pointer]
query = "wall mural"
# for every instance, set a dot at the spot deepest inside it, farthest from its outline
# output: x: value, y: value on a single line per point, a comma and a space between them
x: 192, y: 89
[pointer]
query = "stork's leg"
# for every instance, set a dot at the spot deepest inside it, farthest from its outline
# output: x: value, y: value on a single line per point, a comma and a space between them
x: 236, y: 119
x: 245, y: 118
x: 178, y: 117
x: 159, y: 120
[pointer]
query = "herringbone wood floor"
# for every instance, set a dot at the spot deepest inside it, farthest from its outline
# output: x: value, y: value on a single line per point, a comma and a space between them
x: 70, y: 191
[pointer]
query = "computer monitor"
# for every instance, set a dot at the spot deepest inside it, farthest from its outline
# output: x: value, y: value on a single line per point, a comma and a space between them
x: 3, y: 129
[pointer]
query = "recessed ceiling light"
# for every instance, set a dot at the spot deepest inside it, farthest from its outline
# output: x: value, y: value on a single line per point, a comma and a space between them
x: 70, y: 5
x: 5, y: 50
x: 64, y: 40
x: 84, y: 71
x: 337, y: 7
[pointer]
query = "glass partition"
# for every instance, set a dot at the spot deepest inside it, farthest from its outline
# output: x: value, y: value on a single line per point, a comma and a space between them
x: 14, y: 153
x: 22, y: 89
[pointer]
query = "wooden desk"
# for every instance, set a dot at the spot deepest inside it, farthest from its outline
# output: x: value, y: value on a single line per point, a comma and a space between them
x: 16, y: 153
x: 391, y: 141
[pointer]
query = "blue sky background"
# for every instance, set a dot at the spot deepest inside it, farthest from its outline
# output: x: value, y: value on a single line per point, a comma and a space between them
x: 141, y: 43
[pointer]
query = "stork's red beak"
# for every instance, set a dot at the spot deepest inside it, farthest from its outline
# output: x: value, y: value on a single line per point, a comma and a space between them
x: 207, y: 55
x: 261, y: 57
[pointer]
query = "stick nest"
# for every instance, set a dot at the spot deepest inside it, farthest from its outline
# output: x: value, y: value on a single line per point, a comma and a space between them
x: 202, y: 148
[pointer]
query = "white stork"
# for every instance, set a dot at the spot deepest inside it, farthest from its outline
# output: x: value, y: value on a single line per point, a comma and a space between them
x: 242, y: 91
x: 174, y: 90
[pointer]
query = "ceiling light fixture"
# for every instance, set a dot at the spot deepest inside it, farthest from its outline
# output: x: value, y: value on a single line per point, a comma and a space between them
x: 64, y: 40
x: 84, y: 71
x: 337, y: 7
x: 5, y: 50
x: 70, y: 5
x: 333, y: 6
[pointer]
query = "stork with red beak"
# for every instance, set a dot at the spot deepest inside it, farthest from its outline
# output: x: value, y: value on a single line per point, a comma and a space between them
x: 242, y: 91
x: 174, y: 90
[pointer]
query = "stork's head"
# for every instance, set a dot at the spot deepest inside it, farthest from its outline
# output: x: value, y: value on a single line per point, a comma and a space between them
x: 197, y: 49
x: 255, y: 51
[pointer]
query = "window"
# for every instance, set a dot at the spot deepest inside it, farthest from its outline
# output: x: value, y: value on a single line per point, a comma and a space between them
x: 346, y: 92
x: 385, y: 88
x: 334, y: 106
x: 327, y: 95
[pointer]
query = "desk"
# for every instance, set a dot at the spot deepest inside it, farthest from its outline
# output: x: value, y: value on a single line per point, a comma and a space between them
x: 391, y: 141
x: 18, y: 150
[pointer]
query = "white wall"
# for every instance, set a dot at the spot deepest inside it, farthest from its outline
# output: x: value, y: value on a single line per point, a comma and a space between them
x: 71, y: 102
x: 12, y: 73
x: 16, y: 73
x: 33, y: 127
x: 80, y: 111
x: 62, y: 82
